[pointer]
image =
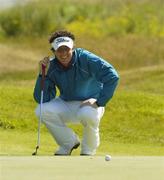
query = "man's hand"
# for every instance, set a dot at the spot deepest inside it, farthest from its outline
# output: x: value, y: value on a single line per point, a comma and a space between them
x: 46, y: 62
x: 89, y: 102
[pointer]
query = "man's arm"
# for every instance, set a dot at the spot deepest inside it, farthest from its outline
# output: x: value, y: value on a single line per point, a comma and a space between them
x: 49, y: 87
x: 49, y: 90
x: 109, y: 78
x: 106, y: 74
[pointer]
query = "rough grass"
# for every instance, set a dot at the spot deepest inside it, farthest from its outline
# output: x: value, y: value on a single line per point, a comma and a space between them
x: 14, y: 60
x: 125, y: 53
x: 23, y: 142
x: 133, y: 122
x: 134, y: 115
x: 145, y: 79
x: 102, y: 18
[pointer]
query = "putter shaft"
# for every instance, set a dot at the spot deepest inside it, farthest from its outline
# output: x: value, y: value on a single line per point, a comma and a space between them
x: 41, y: 103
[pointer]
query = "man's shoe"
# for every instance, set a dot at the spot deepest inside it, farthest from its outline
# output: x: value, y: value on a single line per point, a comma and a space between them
x: 85, y: 154
x: 66, y: 152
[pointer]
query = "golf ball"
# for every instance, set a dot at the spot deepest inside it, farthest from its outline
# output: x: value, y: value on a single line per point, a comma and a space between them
x: 108, y: 157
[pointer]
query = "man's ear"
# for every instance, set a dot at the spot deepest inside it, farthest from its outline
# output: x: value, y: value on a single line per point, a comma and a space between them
x: 73, y: 47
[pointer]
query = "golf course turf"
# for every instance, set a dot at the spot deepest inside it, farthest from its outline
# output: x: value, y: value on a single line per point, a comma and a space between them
x: 81, y: 168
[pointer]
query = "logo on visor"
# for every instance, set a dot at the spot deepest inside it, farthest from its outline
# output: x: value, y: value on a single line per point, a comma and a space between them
x: 62, y: 40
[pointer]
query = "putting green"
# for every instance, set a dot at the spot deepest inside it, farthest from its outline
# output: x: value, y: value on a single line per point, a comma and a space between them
x: 81, y: 168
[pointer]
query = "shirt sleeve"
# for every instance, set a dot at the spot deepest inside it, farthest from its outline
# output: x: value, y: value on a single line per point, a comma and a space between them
x: 49, y: 91
x: 106, y: 75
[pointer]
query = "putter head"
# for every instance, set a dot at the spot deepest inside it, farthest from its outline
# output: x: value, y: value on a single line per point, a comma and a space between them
x: 35, y: 153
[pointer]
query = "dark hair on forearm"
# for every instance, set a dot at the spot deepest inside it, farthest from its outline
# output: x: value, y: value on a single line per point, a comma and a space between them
x: 61, y: 33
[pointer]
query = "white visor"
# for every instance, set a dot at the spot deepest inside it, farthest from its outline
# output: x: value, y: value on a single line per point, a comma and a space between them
x: 62, y: 41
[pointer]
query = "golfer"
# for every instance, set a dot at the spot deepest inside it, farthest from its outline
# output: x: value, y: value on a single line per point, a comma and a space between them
x: 86, y: 82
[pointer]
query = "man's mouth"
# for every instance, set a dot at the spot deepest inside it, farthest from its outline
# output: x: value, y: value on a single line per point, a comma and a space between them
x: 64, y: 58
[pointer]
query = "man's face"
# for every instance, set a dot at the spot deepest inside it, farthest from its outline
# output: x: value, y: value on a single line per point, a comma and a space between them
x: 64, y: 55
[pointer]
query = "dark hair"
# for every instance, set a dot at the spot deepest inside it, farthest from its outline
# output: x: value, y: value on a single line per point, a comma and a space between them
x: 61, y: 33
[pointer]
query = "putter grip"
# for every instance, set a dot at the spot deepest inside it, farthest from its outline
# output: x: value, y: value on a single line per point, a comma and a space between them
x: 43, y: 76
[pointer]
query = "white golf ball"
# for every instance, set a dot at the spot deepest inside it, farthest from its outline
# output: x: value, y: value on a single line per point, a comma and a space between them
x: 108, y: 157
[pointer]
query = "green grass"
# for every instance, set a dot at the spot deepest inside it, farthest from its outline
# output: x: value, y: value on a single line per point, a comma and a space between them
x: 145, y: 79
x: 132, y: 129
x: 131, y: 116
x: 23, y: 142
x: 80, y: 168
x: 133, y: 122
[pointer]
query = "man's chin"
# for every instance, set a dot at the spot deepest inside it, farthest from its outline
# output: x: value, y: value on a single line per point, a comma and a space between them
x: 64, y: 64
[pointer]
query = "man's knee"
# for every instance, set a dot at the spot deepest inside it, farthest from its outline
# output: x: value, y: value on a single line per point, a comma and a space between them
x: 45, y: 109
x: 48, y: 110
x: 88, y: 116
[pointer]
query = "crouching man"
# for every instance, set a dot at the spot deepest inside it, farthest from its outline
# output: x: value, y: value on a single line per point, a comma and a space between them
x: 86, y: 83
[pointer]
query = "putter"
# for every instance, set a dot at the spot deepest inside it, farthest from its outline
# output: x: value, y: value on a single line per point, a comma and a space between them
x: 41, y: 104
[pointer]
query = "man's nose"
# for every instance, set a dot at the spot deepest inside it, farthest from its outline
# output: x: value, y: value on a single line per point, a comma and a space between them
x: 63, y: 52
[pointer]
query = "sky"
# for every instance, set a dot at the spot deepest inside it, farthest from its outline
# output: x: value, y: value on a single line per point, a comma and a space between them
x: 8, y: 3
